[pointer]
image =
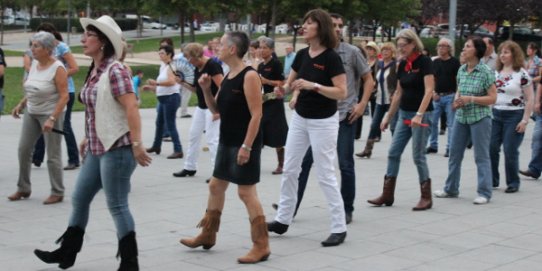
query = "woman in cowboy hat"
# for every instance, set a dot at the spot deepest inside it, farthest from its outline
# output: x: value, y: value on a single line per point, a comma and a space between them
x: 112, y: 146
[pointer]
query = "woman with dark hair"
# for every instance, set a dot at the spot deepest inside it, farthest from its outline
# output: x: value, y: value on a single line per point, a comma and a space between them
x: 111, y: 149
x: 63, y: 53
x: 511, y: 113
x: 239, y: 102
x: 476, y: 93
x: 318, y: 80
x: 169, y: 100
x: 412, y: 99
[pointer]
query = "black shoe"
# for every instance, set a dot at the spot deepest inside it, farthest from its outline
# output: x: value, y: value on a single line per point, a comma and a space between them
x: 184, y: 173
x: 469, y: 146
x: 447, y: 154
x: 442, y: 132
x: 275, y: 206
x: 348, y: 217
x: 431, y: 150
x: 71, y: 166
x: 511, y: 189
x: 527, y: 173
x: 37, y: 163
x: 277, y: 227
x: 334, y: 239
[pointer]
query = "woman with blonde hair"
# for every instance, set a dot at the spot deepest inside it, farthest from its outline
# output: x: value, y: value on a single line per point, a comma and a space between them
x: 412, y: 99
x: 386, y: 82
x: 511, y: 112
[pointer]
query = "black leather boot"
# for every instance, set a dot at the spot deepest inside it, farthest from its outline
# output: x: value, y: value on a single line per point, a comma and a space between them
x: 128, y: 253
x: 71, y: 243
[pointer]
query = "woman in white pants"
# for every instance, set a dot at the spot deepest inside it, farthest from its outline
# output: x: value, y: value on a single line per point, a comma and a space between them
x: 318, y: 80
x: 203, y: 120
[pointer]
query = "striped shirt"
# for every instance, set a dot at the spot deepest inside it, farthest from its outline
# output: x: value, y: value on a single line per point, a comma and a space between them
x: 475, y: 83
x: 121, y: 84
x: 182, y: 65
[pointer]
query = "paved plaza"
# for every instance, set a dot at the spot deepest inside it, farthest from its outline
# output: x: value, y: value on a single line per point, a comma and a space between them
x: 455, y: 235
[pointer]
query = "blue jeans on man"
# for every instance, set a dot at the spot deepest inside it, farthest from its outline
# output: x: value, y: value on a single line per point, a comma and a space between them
x: 535, y: 166
x: 479, y: 133
x: 442, y: 104
x: 403, y: 134
x: 503, y: 132
x: 345, y: 152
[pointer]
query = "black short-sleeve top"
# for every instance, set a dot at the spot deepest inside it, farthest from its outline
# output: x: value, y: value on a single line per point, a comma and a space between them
x: 211, y: 68
x: 412, y: 83
x: 320, y: 69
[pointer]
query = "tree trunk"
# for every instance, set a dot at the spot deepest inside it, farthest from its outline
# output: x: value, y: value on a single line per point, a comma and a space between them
x: 273, y: 18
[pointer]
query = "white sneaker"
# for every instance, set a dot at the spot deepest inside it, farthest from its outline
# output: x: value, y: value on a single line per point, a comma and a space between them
x: 443, y: 194
x: 480, y: 200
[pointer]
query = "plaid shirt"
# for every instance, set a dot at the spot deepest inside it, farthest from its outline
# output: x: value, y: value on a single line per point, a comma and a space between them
x: 475, y: 83
x: 121, y: 84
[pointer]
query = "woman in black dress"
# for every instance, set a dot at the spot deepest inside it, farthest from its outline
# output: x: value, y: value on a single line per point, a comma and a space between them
x: 274, y: 126
x: 239, y: 102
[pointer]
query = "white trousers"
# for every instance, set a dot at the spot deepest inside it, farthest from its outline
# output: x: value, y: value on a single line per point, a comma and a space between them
x: 202, y: 120
x: 321, y: 135
x: 185, y: 98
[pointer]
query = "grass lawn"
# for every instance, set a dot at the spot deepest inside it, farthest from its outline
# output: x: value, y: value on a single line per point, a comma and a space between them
x: 13, y: 90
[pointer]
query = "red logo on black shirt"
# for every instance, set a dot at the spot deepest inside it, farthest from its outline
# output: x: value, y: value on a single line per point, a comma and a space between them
x: 319, y: 67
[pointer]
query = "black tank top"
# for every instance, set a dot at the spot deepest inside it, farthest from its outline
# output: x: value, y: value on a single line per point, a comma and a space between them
x: 234, y: 113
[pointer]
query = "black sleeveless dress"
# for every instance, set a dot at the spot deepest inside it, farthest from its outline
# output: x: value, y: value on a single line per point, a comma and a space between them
x: 234, y: 119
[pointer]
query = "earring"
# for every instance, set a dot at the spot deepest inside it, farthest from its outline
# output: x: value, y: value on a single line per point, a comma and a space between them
x: 101, y: 48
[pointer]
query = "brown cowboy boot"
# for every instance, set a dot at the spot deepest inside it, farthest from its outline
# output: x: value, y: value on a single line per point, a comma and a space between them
x: 426, y: 201
x: 207, y: 238
x: 387, y: 193
x: 368, y: 151
x: 260, y: 239
x: 280, y: 157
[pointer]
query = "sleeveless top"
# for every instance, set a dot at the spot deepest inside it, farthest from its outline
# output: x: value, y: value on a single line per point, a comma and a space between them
x: 40, y: 89
x: 234, y: 112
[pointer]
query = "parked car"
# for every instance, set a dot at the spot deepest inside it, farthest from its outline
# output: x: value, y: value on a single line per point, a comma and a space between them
x: 22, y: 21
x: 8, y: 20
x: 480, y: 32
x: 149, y: 23
x: 428, y: 31
x: 209, y: 27
x: 521, y: 33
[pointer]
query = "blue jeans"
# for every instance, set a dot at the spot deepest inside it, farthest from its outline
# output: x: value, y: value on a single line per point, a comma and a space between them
x: 503, y: 132
x: 71, y: 144
x: 443, y: 104
x: 479, y: 133
x: 110, y: 171
x: 167, y: 108
x: 345, y: 152
x: 535, y: 166
x: 380, y: 111
x: 402, y: 135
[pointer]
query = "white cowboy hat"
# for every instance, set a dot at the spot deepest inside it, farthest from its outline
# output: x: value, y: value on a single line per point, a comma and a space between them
x: 109, y: 28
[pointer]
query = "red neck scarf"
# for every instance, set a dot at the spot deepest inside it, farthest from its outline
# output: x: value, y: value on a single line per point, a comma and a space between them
x: 411, y: 58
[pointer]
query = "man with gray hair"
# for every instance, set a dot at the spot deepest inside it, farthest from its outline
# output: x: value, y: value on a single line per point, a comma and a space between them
x: 445, y: 67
